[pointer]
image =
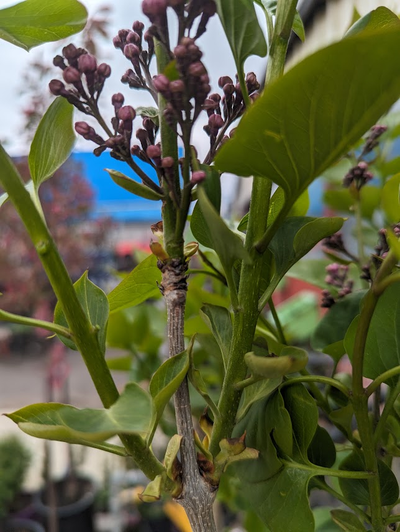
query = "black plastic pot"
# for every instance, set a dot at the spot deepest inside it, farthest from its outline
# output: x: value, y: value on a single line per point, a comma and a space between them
x: 75, y: 516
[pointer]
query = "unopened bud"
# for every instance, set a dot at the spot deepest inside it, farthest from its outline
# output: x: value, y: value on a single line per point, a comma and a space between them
x: 70, y: 51
x: 177, y: 86
x: 58, y: 61
x: 104, y: 70
x: 167, y: 162
x: 133, y: 38
x: 126, y: 113
x: 197, y: 69
x: 153, y: 152
x: 87, y: 63
x: 215, y: 121
x: 71, y: 75
x: 131, y: 51
x: 138, y: 26
x: 224, y: 80
x: 83, y: 129
x: 161, y: 83
x: 56, y: 87
x: 198, y: 177
x: 117, y: 100
x: 154, y: 8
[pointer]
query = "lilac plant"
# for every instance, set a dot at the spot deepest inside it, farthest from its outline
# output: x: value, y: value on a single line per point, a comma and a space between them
x: 261, y: 424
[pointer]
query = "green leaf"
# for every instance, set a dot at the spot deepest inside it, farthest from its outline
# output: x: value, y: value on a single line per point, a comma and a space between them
x: 225, y: 243
x: 133, y: 186
x: 342, y: 201
x: 357, y: 491
x: 291, y: 360
x: 294, y: 238
x: 165, y: 381
x: 242, y: 30
x: 28, y: 24
x: 391, y: 199
x: 347, y: 521
x: 382, y: 349
x: 198, y: 224
x: 333, y: 326
x: 120, y: 363
x: 269, y: 7
x: 95, y: 306
x: 394, y: 243
x: 136, y: 287
x: 148, y: 112
x: 219, y: 321
x: 323, y: 520
x: 53, y: 141
x: 311, y: 271
x: 322, y: 451
x: 255, y: 392
x: 378, y: 19
x: 310, y: 117
x: 54, y: 421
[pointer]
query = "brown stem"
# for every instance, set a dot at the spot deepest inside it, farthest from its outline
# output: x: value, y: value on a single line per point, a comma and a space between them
x: 198, y: 495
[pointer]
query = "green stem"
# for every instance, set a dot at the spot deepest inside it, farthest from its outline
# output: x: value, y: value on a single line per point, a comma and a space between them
x: 359, y: 231
x: 324, y: 486
x: 360, y: 399
x: 243, y: 88
x: 326, y: 471
x: 279, y: 328
x: 381, y: 379
x: 85, y: 334
x: 392, y: 519
x: 385, y: 283
x: 320, y: 379
x: 23, y: 320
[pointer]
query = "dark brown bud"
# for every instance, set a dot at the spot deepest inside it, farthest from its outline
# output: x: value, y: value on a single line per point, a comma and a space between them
x: 215, y: 121
x: 70, y: 51
x: 138, y: 27
x: 71, y: 75
x: 215, y: 97
x: 87, y: 63
x: 148, y: 124
x: 58, y: 61
x: 104, y: 70
x: 127, y: 113
x: 136, y: 150
x: 197, y: 69
x: 224, y: 80
x: 56, y: 87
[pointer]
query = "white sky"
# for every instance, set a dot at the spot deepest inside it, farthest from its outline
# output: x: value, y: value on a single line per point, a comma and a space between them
x: 14, y: 61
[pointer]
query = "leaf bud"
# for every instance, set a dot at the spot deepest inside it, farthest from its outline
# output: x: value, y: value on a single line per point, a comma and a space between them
x: 87, y: 63
x: 56, y: 87
x: 127, y: 113
x: 71, y: 75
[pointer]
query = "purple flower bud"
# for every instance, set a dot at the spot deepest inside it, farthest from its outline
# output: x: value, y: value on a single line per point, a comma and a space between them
x: 114, y: 142
x: 117, y: 100
x: 177, y: 86
x: 133, y: 38
x: 148, y: 124
x: 122, y: 34
x: 141, y: 135
x: 161, y: 83
x: 180, y: 51
x: 87, y: 63
x: 138, y: 27
x: 117, y: 42
x: 224, y: 80
x: 198, y: 177
x: 153, y: 152
x: 229, y: 89
x: 215, y: 97
x: 127, y: 113
x: 197, y: 69
x: 83, y: 129
x: 216, y: 122
x: 194, y: 52
x: 104, y: 70
x: 176, y: 3
x: 56, y: 87
x: 135, y: 150
x: 70, y: 51
x: 154, y: 8
x: 167, y: 162
x: 210, y: 105
x: 71, y: 75
x: 131, y: 51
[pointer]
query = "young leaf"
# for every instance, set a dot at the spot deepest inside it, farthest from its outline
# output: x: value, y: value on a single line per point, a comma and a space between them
x: 53, y: 141
x: 333, y: 326
x: 294, y: 238
x: 270, y: 9
x: 311, y: 116
x: 198, y: 224
x: 391, y: 199
x: 219, y: 321
x: 242, y: 30
x: 380, y: 18
x: 133, y: 186
x: 357, y: 491
x: 322, y: 451
x: 95, y: 305
x: 28, y: 24
x: 55, y: 421
x: 165, y: 381
x: 347, y: 521
x: 382, y: 349
x: 227, y: 244
x: 136, y: 287
x: 291, y: 360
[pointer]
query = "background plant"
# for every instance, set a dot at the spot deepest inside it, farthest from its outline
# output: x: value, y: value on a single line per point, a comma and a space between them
x: 268, y: 416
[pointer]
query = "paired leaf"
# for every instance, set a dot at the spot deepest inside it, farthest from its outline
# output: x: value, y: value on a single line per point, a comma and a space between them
x: 382, y: 349
x: 242, y: 30
x: 136, y: 287
x: 165, y: 381
x: 357, y: 490
x: 53, y: 140
x: 95, y: 306
x: 27, y: 24
x: 133, y: 186
x: 311, y: 116
x: 132, y: 413
x: 219, y: 321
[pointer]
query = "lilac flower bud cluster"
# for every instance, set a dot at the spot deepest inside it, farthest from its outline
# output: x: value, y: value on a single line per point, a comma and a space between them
x: 334, y: 243
x: 358, y: 176
x: 130, y: 42
x: 372, y: 141
x: 81, y: 71
x: 337, y: 278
